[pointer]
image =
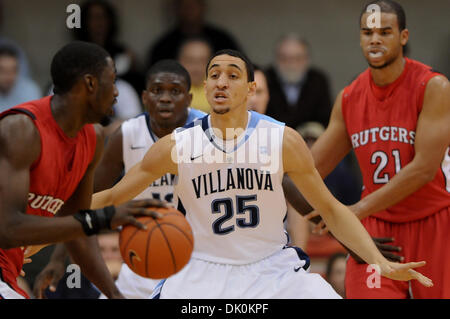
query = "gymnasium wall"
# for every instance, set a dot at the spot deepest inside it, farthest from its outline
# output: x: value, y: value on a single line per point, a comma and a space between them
x: 331, y: 26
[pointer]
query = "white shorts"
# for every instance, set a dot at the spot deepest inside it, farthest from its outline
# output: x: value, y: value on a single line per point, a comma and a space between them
x: 133, y: 286
x: 282, y: 275
x: 6, y: 292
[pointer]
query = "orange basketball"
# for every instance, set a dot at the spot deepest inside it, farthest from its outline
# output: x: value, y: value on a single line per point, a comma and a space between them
x: 161, y: 250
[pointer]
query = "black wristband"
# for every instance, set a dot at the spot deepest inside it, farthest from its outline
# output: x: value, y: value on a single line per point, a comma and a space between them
x: 93, y: 221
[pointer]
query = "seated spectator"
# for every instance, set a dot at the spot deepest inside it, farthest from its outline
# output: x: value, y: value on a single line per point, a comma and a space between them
x: 194, y: 55
x: 14, y: 89
x: 335, y: 273
x: 299, y: 93
x: 190, y: 22
x: 258, y: 102
x: 100, y: 25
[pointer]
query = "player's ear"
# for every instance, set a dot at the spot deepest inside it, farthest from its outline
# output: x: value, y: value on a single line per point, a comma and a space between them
x: 91, y: 82
x: 404, y: 37
x: 251, y: 88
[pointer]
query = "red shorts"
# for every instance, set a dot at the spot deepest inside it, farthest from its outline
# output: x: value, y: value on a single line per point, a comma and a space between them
x: 425, y: 239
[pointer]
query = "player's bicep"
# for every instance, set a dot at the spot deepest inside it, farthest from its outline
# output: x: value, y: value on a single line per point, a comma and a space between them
x: 19, y: 149
x: 433, y: 128
x: 333, y: 144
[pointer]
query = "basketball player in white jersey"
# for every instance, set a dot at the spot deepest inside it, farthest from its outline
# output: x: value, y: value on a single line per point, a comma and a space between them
x: 166, y: 100
x: 229, y: 184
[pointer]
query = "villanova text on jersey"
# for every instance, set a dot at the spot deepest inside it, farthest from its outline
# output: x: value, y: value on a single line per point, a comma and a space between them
x: 232, y: 178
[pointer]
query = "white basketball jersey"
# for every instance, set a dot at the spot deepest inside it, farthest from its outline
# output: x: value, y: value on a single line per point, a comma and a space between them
x: 137, y: 138
x: 232, y: 192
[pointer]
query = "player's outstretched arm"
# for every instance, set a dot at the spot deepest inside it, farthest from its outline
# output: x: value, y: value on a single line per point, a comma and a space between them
x: 431, y: 142
x: 157, y: 162
x: 344, y: 225
x: 20, y: 147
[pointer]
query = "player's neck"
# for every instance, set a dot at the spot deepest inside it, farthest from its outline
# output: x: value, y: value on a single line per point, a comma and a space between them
x: 390, y: 73
x: 67, y: 115
x: 235, y: 121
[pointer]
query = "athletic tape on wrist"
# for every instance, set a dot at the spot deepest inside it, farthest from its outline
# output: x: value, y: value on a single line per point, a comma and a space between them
x: 94, y: 221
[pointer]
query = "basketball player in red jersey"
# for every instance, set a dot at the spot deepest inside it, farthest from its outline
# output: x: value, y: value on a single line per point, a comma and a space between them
x: 396, y: 117
x: 48, y: 153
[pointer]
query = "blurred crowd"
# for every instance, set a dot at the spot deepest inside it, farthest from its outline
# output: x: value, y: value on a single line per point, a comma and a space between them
x: 290, y: 90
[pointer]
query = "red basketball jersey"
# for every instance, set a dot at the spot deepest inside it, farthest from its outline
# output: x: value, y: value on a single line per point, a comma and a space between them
x: 56, y: 173
x: 381, y: 123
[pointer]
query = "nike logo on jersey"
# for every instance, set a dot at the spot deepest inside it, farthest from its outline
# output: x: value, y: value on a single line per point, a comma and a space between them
x: 194, y: 158
x: 296, y: 269
x: 137, y: 147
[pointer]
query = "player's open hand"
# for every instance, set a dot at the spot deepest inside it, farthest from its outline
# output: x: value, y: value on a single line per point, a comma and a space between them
x: 405, y: 272
x: 48, y: 277
x: 127, y: 213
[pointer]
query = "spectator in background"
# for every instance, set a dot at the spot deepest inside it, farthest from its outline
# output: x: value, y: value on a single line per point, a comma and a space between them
x: 14, y: 89
x: 24, y: 69
x: 190, y: 22
x: 335, y: 273
x: 100, y: 25
x: 299, y: 93
x: 258, y: 101
x: 194, y: 55
x: 344, y: 183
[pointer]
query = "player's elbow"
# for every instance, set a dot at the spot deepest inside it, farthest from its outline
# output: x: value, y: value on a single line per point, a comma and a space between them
x: 7, y: 240
x: 425, y: 174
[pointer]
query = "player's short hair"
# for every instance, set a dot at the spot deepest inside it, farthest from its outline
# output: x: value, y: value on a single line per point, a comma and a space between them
x: 169, y: 66
x: 389, y: 6
x: 8, y: 50
x: 237, y: 54
x: 75, y: 60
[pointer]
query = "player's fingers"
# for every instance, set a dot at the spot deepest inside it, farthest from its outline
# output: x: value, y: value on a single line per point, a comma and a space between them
x: 146, y: 212
x: 149, y: 202
x: 318, y: 228
x: 133, y: 221
x: 383, y: 240
x: 27, y: 261
x: 392, y: 257
x: 53, y: 284
x: 427, y: 282
x: 389, y: 247
x: 411, y: 265
x: 22, y: 273
x: 40, y: 285
x: 311, y: 215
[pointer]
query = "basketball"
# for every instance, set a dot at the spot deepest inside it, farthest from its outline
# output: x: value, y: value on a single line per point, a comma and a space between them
x: 161, y: 250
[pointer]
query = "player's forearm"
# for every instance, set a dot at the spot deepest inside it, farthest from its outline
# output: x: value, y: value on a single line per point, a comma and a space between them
x: 26, y: 230
x: 102, y: 199
x: 346, y: 227
x: 410, y: 179
x: 86, y: 253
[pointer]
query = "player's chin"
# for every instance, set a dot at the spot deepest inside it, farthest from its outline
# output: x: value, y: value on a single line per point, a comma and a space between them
x: 220, y: 109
